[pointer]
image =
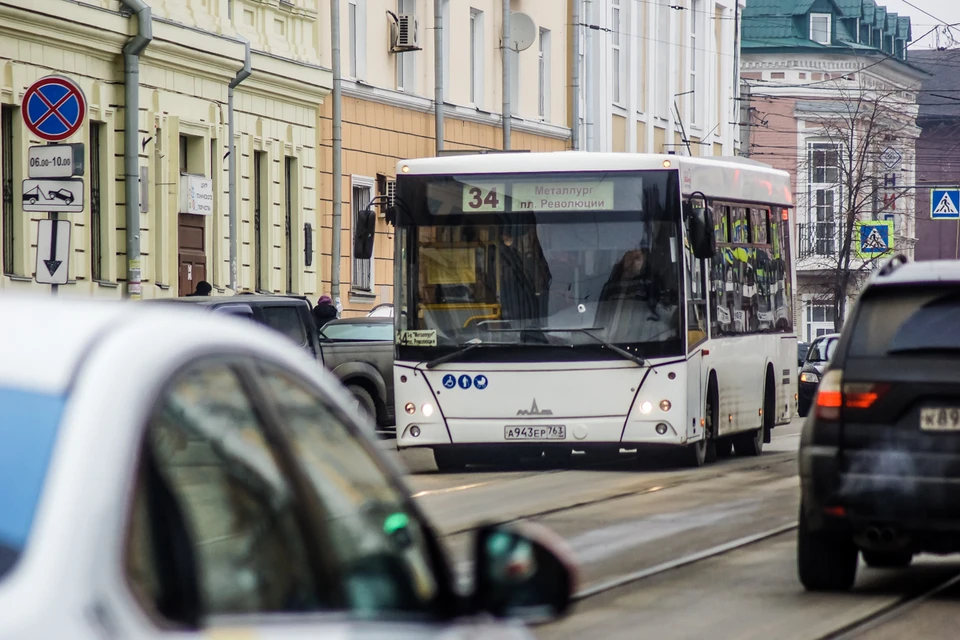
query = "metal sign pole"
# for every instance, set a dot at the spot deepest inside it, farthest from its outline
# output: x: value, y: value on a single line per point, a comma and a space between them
x: 54, y: 288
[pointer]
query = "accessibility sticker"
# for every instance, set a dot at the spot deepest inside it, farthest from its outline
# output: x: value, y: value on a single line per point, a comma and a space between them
x: 480, y: 382
x: 449, y: 381
x: 874, y: 238
x: 465, y: 381
x: 945, y: 204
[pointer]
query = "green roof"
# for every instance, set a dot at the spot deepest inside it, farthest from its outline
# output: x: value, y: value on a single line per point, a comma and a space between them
x: 785, y: 24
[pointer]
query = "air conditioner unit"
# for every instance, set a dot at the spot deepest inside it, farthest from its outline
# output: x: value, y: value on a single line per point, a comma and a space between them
x: 404, y: 33
x: 391, y: 196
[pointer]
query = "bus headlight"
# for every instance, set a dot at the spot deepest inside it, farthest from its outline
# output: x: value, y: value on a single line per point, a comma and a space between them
x: 665, y: 405
x: 646, y: 406
x: 427, y: 410
x: 410, y: 408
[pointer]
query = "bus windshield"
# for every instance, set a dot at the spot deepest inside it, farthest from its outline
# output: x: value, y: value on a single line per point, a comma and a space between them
x: 562, y: 260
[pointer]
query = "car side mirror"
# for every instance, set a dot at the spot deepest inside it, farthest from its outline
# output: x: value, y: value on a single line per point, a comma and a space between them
x: 363, y: 237
x: 703, y: 239
x: 523, y: 572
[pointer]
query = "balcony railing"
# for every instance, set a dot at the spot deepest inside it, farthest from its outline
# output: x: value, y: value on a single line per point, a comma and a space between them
x: 817, y: 239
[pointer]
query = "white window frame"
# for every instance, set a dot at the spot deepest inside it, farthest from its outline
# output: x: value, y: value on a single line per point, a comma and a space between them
x: 406, y: 61
x: 662, y: 67
x: 357, y: 266
x: 357, y: 39
x: 822, y: 234
x: 617, y: 70
x: 696, y: 58
x: 829, y: 18
x: 445, y: 44
x: 544, y: 73
x: 476, y: 57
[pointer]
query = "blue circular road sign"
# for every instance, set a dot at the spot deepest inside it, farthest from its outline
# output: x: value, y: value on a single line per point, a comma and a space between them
x: 54, y: 108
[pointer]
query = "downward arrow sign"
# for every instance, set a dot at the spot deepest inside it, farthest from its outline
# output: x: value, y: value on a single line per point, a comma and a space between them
x: 53, y: 264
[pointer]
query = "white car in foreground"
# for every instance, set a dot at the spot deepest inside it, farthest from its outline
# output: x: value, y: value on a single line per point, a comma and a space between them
x: 172, y: 474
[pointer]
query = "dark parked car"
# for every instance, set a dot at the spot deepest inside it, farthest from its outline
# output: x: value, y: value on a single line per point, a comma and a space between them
x: 818, y: 356
x: 359, y: 351
x: 880, y: 452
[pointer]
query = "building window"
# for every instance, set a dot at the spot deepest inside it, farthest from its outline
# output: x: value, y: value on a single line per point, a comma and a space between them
x: 357, y: 38
x: 544, y: 83
x: 820, y: 27
x: 663, y: 58
x: 289, y: 184
x: 696, y: 59
x: 615, y: 53
x: 7, y: 119
x: 259, y: 190
x: 362, y: 277
x: 819, y: 237
x: 406, y: 71
x: 445, y: 43
x: 96, y: 222
x: 184, y: 154
x: 476, y: 57
x: 820, y: 319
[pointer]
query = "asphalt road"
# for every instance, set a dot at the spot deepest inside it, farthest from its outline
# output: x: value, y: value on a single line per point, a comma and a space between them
x: 671, y: 552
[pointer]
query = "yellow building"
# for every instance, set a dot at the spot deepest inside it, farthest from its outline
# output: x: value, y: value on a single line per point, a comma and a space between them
x: 196, y: 51
x: 388, y: 108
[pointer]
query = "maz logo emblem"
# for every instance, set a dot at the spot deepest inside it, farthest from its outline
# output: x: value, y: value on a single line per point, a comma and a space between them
x: 535, y: 411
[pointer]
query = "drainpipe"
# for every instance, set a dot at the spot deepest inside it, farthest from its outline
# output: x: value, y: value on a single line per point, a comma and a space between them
x: 336, y: 152
x: 242, y: 75
x: 438, y: 72
x: 131, y: 135
x: 507, y: 44
x: 575, y: 128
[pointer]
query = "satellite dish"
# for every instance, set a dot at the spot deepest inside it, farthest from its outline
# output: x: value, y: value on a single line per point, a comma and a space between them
x: 523, y: 31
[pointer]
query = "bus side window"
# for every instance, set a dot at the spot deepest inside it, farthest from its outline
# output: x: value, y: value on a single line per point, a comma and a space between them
x: 696, y: 300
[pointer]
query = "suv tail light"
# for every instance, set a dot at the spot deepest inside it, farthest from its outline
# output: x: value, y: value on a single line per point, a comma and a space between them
x: 834, y: 394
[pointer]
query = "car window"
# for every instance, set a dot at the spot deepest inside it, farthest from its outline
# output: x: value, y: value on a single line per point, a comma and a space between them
x: 237, y: 507
x: 822, y: 350
x: 28, y: 429
x: 359, y: 331
x: 905, y: 320
x: 286, y: 320
x: 381, y: 547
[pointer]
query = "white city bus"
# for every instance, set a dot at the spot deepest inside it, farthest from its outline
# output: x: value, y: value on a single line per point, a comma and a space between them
x: 559, y: 302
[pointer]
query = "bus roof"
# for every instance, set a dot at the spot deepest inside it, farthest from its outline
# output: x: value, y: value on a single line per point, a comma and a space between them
x: 719, y: 177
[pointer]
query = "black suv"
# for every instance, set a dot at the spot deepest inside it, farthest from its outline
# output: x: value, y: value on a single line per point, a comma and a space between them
x: 880, y: 450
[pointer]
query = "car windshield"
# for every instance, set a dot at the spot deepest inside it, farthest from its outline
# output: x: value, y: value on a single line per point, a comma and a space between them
x: 373, y: 331
x: 28, y: 430
x: 569, y: 272
x: 822, y: 350
x: 900, y: 321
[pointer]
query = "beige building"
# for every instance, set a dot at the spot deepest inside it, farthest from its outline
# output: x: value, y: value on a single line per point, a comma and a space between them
x: 197, y: 49
x: 388, y: 107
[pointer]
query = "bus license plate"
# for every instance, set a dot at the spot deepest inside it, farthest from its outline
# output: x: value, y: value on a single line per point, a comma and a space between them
x: 940, y: 419
x: 548, y: 432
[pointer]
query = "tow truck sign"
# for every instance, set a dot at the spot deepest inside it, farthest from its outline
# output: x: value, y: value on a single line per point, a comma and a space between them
x: 53, y: 196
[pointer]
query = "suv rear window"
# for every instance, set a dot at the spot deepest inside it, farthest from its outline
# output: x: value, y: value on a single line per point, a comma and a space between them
x: 895, y: 321
x: 286, y: 320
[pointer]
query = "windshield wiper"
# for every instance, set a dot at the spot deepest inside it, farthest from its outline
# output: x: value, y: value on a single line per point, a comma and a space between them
x: 436, y: 362
x: 609, y: 345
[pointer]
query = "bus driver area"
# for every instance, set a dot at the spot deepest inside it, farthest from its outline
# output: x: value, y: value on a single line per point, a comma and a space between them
x: 660, y: 283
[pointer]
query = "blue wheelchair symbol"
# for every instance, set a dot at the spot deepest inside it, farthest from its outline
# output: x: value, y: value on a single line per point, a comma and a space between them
x: 480, y: 382
x: 449, y: 381
x: 464, y: 382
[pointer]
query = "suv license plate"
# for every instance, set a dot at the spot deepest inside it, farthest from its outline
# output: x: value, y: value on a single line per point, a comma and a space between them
x: 940, y: 419
x: 549, y: 432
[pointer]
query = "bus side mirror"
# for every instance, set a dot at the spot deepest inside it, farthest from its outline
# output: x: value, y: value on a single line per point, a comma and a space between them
x: 363, y: 235
x: 703, y: 239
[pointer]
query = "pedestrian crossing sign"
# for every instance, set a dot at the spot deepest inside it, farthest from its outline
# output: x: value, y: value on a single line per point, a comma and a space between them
x: 945, y: 204
x: 874, y: 238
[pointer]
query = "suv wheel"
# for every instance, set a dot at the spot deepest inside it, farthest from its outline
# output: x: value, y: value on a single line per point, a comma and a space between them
x: 888, y: 559
x: 826, y: 561
x: 365, y: 401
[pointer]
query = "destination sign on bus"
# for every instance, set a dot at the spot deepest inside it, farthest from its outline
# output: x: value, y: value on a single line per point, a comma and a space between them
x: 539, y: 196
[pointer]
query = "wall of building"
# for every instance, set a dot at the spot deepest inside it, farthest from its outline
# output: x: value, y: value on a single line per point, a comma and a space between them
x: 184, y: 76
x: 678, y: 75
x: 937, y: 165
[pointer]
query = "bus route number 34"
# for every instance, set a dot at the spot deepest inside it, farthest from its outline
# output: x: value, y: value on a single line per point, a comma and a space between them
x: 482, y: 197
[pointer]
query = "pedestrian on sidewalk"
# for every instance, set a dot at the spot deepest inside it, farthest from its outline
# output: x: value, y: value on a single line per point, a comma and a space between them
x: 203, y: 289
x: 324, y: 312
